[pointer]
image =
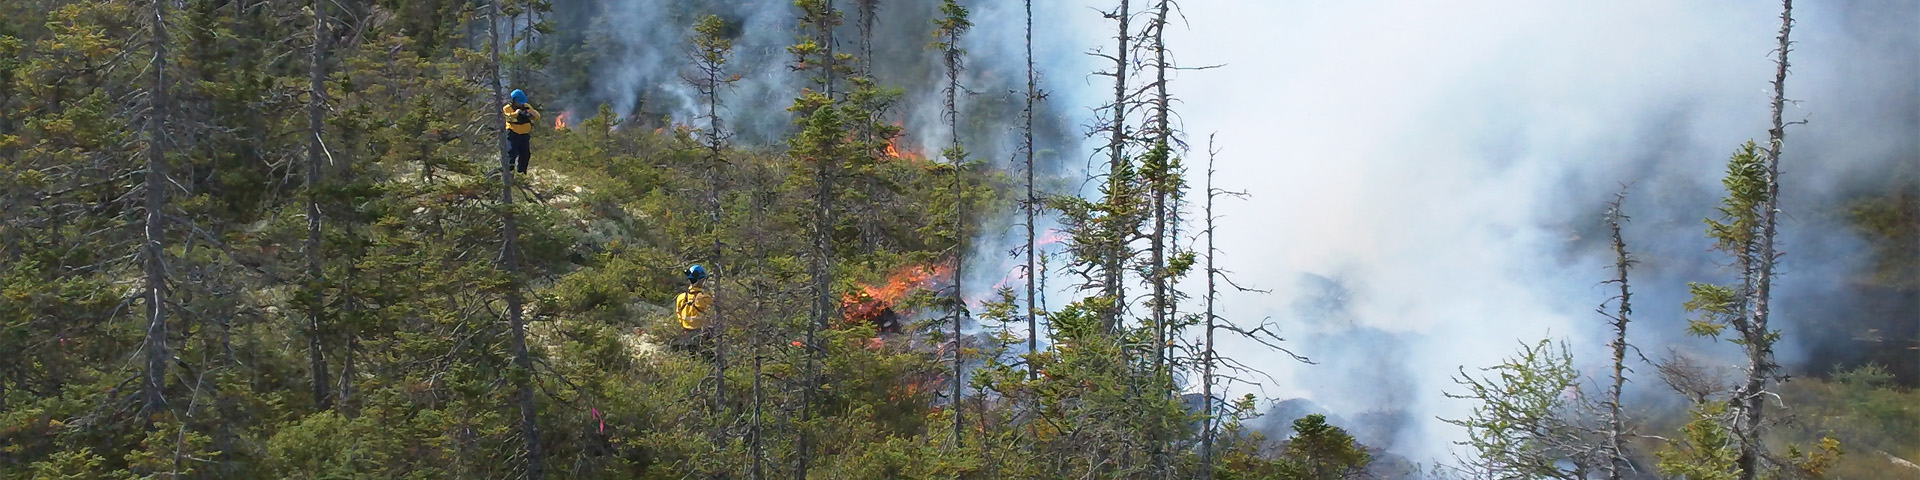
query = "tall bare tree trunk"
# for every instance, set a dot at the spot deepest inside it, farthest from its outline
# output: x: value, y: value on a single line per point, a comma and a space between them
x: 1032, y: 201
x: 1114, y: 263
x: 868, y: 11
x: 344, y: 403
x: 1206, y: 354
x: 1616, y: 428
x: 719, y: 318
x: 822, y: 306
x: 1031, y: 206
x: 157, y: 357
x: 316, y: 282
x: 510, y: 252
x: 1750, y: 397
x: 757, y: 430
x: 1161, y: 178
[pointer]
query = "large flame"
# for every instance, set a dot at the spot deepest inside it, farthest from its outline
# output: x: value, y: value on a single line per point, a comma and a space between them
x: 560, y: 122
x: 868, y: 303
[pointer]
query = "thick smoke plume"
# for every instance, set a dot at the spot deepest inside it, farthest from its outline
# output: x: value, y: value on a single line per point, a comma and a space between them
x: 1428, y: 178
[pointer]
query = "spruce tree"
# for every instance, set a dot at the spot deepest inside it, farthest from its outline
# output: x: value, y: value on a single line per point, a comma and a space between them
x: 952, y: 24
x: 818, y: 145
x: 711, y: 49
x: 1160, y: 170
x: 522, y: 372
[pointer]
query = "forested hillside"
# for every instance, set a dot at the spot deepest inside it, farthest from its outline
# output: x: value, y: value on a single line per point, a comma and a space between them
x: 284, y: 239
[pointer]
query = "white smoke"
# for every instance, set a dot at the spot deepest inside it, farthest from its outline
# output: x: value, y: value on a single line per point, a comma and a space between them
x: 1444, y: 163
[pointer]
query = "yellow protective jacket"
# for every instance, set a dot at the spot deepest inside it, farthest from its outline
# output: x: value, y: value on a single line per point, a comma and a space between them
x: 692, y: 307
x: 513, y: 120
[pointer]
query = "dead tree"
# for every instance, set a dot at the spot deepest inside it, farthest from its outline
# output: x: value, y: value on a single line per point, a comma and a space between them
x: 1031, y: 204
x: 1616, y: 429
x: 153, y: 249
x: 1113, y: 255
x: 1207, y: 419
x: 316, y: 282
x: 1214, y: 368
x: 867, y: 13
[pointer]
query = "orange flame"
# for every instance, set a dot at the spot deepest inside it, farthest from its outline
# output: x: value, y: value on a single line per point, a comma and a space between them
x: 560, y: 122
x: 894, y: 151
x: 871, y: 300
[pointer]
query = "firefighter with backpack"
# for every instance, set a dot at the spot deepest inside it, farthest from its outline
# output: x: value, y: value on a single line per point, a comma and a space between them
x: 694, y: 310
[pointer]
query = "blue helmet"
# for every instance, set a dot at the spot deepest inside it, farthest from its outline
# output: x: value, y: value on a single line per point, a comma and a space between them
x: 696, y: 273
x: 519, y: 96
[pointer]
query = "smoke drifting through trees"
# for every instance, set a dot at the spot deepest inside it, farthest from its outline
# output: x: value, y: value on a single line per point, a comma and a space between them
x: 618, y: 46
x: 1440, y: 189
x: 1495, y: 254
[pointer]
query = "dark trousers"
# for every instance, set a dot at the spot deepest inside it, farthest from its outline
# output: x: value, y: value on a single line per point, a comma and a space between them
x: 520, y: 149
x: 694, y: 342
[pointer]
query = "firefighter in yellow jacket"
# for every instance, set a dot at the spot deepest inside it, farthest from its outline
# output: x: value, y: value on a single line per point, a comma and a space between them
x: 520, y: 118
x: 694, y: 310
